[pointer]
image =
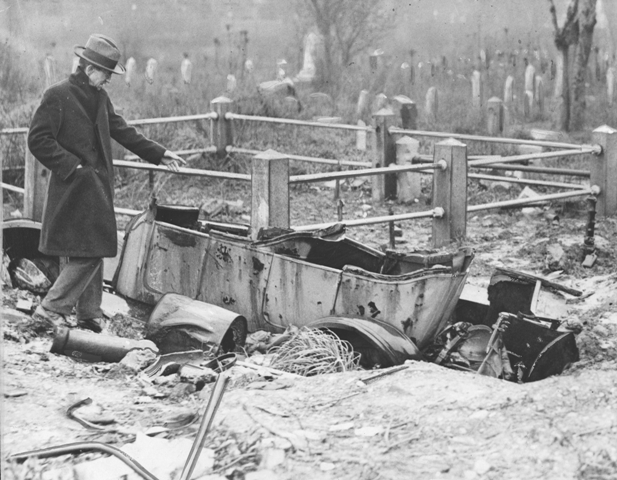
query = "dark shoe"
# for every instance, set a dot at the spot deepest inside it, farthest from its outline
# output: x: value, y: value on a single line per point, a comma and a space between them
x: 97, y: 325
x: 53, y: 319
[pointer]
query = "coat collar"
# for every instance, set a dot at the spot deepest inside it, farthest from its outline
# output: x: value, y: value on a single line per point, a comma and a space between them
x: 92, y: 95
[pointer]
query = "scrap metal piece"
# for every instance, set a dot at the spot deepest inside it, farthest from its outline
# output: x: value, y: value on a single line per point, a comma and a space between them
x: 171, y: 362
x: 379, y: 343
x: 204, y: 427
x: 178, y: 323
x: 70, y: 413
x: 80, y: 447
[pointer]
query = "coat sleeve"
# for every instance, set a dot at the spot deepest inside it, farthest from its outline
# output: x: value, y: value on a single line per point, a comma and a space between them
x: 43, y: 134
x: 131, y: 139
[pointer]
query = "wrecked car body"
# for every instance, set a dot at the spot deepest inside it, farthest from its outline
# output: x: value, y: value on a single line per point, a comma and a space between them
x: 293, y: 278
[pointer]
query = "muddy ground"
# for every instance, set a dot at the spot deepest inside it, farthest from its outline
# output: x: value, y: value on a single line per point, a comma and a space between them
x: 425, y: 422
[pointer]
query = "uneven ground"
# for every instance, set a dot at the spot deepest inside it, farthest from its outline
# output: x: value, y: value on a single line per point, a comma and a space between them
x: 424, y: 422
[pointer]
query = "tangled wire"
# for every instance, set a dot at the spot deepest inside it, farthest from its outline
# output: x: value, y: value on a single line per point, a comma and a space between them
x: 315, y: 352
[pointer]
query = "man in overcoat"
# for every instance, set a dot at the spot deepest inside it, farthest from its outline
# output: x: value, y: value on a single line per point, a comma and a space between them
x: 71, y: 134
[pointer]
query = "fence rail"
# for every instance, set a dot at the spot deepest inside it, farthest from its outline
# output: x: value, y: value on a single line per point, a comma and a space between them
x: 394, y: 170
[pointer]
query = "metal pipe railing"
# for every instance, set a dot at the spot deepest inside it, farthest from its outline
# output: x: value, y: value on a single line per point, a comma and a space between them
x: 595, y: 190
x: 480, y: 138
x: 523, y: 181
x: 521, y: 158
x: 13, y: 130
x: 435, y: 213
x: 288, y: 121
x: 184, y: 171
x: 320, y: 177
x: 211, y: 149
x: 180, y: 118
x: 13, y: 188
x: 303, y: 158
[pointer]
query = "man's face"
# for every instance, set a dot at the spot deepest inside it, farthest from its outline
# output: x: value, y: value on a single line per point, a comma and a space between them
x: 98, y: 77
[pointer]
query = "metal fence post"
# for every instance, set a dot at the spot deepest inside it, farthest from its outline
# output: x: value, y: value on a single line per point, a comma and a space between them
x: 604, y: 170
x: 450, y: 192
x: 269, y: 191
x: 383, y: 186
x: 222, y: 132
x: 36, y: 178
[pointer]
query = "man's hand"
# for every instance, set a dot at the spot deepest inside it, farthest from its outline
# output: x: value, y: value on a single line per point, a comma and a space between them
x: 172, y: 161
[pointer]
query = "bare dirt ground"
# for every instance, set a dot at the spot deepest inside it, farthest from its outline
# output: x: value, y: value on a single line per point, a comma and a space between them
x: 425, y: 422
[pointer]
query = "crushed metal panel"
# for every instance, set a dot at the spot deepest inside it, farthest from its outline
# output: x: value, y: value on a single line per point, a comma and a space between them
x: 379, y: 343
x: 299, y: 292
x: 175, y: 260
x: 128, y: 279
x: 235, y: 277
x: 419, y: 304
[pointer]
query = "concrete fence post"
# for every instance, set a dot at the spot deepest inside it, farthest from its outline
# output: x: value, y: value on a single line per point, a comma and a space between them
x: 450, y: 192
x: 222, y: 132
x: 604, y: 170
x: 408, y: 183
x: 36, y: 178
x: 269, y: 191
x: 383, y: 186
x: 495, y: 116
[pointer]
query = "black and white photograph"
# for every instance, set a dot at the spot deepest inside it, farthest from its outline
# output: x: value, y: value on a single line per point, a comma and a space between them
x: 308, y: 239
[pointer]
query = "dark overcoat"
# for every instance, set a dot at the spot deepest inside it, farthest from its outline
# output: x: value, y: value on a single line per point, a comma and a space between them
x: 74, y: 126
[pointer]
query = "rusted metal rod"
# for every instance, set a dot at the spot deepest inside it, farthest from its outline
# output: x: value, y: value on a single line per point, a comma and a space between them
x: 13, y: 188
x: 327, y: 161
x: 589, y: 242
x: 436, y: 212
x: 479, y: 138
x: 520, y: 158
x: 213, y: 404
x: 523, y: 181
x: 184, y: 171
x: 287, y: 121
x: 521, y: 168
x: 180, y: 152
x: 532, y: 201
x: 320, y: 177
x: 182, y: 118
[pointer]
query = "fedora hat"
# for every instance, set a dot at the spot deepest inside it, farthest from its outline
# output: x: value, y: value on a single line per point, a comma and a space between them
x: 102, y: 52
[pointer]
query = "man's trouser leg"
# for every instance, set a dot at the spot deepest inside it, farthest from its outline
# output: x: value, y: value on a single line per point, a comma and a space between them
x: 80, y: 284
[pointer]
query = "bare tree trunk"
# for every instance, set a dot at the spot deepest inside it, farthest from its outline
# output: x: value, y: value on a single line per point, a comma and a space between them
x: 564, y: 108
x: 587, y: 21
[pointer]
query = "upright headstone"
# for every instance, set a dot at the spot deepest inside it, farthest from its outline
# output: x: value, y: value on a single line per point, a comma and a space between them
x: 361, y: 107
x: 381, y: 101
x: 408, y: 183
x: 409, y: 112
x: 431, y: 104
x: 476, y: 89
x: 361, y: 137
x: 610, y: 85
x: 539, y: 96
x: 495, y: 116
x: 130, y: 71
x: 530, y: 76
x: 49, y: 65
x: 75, y: 64
x: 186, y: 69
x: 558, y: 77
x: 508, y: 91
x: 604, y: 170
x: 150, y: 70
